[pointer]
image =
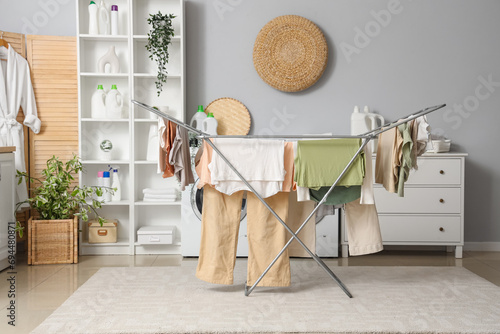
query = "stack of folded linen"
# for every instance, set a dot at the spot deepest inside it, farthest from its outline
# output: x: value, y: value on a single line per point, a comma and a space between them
x: 156, y: 195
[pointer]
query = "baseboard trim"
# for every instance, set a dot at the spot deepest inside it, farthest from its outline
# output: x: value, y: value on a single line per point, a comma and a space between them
x: 490, y: 246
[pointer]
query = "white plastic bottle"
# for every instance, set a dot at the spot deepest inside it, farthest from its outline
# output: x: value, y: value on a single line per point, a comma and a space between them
x: 93, y: 23
x: 104, y: 19
x: 107, y: 185
x: 360, y: 123
x: 100, y: 184
x: 117, y: 195
x: 114, y: 103
x: 97, y: 103
x: 114, y: 20
x: 210, y: 125
x: 198, y: 118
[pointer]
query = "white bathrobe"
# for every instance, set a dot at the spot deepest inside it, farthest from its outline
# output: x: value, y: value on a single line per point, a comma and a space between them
x: 16, y: 91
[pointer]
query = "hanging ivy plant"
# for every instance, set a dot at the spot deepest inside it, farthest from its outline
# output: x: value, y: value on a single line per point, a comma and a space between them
x: 159, y: 38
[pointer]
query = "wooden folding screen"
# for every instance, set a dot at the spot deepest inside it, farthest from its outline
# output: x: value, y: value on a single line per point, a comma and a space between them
x: 53, y: 63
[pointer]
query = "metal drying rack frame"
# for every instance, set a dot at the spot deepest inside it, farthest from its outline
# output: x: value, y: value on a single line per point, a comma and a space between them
x: 366, y: 139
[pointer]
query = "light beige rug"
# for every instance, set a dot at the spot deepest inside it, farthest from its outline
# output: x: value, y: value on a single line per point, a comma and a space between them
x: 386, y: 300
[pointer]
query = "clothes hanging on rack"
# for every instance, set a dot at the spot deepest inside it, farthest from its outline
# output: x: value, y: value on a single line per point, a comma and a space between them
x: 205, y: 153
x: 16, y: 91
x: 219, y: 237
x: 260, y: 161
x: 363, y: 229
x: 397, y: 153
x: 166, y: 135
x: 297, y: 211
x: 283, y: 252
x: 180, y: 158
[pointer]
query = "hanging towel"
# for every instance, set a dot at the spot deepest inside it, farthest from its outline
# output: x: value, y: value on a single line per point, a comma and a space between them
x: 320, y: 162
x: 180, y: 158
x: 389, y: 148
x: 259, y: 161
x: 367, y: 196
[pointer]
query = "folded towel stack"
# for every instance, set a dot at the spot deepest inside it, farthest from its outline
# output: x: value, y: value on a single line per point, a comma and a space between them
x: 163, y: 195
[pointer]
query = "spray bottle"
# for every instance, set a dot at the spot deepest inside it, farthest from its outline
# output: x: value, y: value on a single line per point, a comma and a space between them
x: 117, y: 195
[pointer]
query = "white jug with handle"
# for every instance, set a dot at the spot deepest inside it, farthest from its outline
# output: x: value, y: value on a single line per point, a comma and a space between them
x: 376, y: 121
x: 210, y: 125
x: 114, y: 103
x: 198, y: 118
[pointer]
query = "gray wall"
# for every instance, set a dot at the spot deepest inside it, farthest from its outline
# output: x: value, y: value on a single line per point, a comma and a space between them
x: 428, y: 52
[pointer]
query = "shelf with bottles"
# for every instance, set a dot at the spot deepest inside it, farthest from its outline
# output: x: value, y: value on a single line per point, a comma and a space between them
x: 89, y: 178
x: 105, y: 141
x: 89, y: 86
x: 143, y: 8
x: 145, y: 66
x: 83, y: 18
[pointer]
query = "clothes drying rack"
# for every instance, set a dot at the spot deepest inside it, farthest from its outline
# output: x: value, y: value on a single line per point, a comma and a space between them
x: 367, y: 137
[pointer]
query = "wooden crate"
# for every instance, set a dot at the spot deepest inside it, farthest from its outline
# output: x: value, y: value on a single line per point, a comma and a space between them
x: 52, y: 241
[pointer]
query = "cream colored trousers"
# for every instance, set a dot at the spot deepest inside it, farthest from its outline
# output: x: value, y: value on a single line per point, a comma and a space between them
x: 219, y: 238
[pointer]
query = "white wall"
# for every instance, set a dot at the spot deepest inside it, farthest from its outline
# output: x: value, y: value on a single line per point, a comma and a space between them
x: 428, y: 52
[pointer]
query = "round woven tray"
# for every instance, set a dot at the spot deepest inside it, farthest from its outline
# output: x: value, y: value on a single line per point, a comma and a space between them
x: 290, y: 53
x: 232, y: 116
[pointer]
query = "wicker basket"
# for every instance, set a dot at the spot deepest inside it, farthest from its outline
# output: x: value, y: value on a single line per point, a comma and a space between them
x: 52, y: 241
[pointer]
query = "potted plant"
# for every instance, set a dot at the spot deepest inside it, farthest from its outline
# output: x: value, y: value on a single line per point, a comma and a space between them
x: 53, y: 237
x: 159, y: 38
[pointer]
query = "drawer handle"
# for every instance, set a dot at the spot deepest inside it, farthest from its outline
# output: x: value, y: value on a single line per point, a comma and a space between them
x: 441, y: 200
x: 441, y: 171
x: 441, y: 229
x: 102, y: 233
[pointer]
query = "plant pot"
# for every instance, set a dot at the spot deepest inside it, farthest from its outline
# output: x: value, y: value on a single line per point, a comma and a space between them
x: 52, y: 241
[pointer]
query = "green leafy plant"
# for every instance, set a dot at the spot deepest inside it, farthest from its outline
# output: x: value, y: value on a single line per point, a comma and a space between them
x: 159, y: 38
x: 55, y: 198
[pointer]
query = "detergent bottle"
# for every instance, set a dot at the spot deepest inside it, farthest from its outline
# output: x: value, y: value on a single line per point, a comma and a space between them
x: 376, y: 121
x: 198, y: 118
x: 210, y: 125
x: 114, y: 103
x: 360, y: 123
x: 97, y: 103
x: 115, y: 183
x: 104, y: 19
x: 93, y: 23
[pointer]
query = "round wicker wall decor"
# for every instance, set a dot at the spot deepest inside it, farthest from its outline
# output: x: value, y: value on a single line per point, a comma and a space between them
x: 290, y: 53
x: 232, y: 116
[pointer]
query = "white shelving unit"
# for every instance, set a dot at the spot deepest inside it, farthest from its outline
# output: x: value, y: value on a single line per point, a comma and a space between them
x: 129, y: 135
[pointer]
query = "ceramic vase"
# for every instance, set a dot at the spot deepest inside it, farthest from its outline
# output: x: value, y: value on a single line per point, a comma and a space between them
x: 109, y: 58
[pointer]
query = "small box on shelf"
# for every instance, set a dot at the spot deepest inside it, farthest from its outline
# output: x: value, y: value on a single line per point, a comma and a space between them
x: 156, y: 235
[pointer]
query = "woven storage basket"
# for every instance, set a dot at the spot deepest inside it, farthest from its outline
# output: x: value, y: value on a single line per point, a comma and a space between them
x: 232, y: 116
x: 52, y: 241
x: 290, y: 53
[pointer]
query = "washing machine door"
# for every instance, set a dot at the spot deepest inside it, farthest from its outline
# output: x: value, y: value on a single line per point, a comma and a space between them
x: 196, y: 199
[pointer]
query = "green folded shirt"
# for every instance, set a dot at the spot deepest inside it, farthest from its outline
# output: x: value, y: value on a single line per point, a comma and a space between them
x: 339, y: 195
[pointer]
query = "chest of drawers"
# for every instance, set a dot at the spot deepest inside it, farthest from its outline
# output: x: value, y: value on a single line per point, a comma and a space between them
x: 432, y: 211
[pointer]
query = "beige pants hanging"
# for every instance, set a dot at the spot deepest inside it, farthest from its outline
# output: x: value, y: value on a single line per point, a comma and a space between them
x: 219, y: 238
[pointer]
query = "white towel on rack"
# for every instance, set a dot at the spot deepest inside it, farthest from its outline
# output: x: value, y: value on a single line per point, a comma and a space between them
x: 259, y: 161
x: 153, y: 196
x: 367, y: 196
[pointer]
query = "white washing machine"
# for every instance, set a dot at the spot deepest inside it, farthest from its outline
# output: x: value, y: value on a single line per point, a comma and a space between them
x: 327, y: 235
x: 192, y: 204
